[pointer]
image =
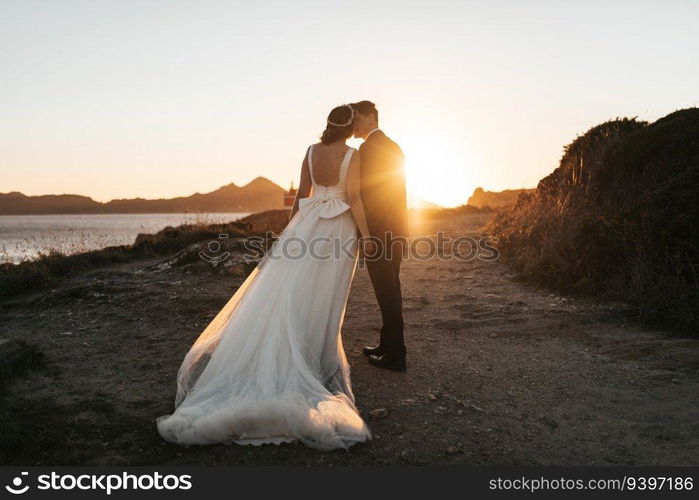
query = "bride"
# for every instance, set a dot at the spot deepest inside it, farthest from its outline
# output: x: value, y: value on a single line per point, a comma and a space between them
x: 270, y: 367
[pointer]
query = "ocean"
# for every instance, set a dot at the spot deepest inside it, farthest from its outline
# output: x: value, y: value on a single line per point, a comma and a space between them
x: 23, y: 237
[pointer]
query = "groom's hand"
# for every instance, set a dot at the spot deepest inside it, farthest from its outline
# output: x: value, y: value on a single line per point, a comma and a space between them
x: 369, y: 248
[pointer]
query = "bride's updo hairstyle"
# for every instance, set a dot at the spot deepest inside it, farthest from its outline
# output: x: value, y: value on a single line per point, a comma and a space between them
x: 340, y: 124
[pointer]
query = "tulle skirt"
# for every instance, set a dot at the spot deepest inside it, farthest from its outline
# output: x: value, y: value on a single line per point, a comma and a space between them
x: 270, y: 367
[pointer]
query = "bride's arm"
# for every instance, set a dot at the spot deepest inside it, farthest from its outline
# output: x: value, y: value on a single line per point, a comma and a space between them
x: 305, y: 185
x: 354, y: 195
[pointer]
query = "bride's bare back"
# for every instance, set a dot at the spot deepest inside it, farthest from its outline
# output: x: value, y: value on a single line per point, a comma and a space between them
x: 326, y: 162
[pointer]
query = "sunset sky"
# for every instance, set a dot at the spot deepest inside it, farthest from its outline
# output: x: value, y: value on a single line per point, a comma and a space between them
x: 115, y: 99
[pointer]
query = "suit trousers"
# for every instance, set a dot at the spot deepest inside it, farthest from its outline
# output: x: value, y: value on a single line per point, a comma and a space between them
x: 384, y: 273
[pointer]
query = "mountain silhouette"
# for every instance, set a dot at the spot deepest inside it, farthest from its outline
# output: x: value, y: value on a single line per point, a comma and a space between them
x: 258, y: 195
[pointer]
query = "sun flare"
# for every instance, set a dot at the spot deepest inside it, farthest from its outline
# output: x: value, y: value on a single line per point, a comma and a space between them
x: 435, y: 171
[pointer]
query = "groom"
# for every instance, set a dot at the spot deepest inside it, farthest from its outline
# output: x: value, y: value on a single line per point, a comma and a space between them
x: 382, y: 185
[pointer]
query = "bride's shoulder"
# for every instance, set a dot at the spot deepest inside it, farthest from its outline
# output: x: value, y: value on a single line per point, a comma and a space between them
x: 310, y: 148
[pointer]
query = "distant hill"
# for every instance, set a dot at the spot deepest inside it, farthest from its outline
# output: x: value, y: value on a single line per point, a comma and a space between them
x: 496, y: 199
x: 258, y: 195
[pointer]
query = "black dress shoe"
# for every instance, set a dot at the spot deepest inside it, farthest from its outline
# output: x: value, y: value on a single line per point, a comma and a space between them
x: 388, y: 362
x: 373, y: 351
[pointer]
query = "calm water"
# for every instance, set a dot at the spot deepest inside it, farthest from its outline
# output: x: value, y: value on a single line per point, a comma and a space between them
x: 22, y: 237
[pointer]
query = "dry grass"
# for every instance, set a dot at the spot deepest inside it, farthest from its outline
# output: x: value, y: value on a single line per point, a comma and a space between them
x: 617, y: 218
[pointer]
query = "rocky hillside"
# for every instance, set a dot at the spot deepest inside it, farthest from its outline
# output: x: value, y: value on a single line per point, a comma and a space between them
x: 495, y: 199
x: 618, y: 217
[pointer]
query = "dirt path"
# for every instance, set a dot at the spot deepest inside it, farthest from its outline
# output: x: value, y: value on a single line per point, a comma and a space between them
x: 499, y: 373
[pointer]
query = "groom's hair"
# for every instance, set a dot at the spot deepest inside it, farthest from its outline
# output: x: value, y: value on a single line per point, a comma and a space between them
x: 366, y: 108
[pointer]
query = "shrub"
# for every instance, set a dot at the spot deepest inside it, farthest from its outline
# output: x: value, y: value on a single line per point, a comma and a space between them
x: 617, y: 218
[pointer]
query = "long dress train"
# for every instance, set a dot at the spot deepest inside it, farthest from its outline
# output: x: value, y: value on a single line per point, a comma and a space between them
x: 270, y: 367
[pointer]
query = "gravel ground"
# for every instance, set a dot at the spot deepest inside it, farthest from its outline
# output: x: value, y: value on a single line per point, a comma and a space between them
x: 499, y: 372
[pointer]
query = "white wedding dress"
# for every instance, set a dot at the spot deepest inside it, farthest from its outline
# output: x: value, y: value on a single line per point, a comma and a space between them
x: 270, y: 367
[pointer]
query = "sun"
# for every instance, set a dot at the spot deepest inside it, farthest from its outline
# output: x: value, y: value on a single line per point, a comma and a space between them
x: 435, y: 171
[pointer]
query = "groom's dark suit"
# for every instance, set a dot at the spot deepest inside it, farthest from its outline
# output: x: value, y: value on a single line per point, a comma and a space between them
x: 383, y: 194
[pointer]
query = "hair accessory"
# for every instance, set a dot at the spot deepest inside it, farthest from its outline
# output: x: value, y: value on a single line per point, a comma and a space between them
x: 349, y: 122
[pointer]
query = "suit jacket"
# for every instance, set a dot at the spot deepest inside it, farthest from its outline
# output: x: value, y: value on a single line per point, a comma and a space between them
x: 382, y: 186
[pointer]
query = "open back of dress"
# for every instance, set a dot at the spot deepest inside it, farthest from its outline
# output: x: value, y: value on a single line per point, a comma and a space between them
x: 339, y: 171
